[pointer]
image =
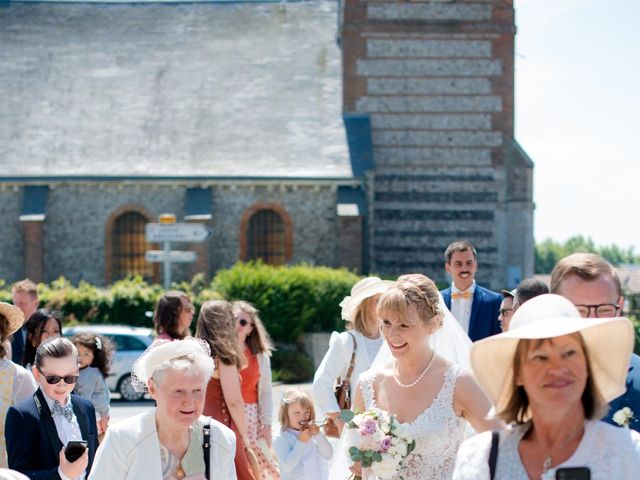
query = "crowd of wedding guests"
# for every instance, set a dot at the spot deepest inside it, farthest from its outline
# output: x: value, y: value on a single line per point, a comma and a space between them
x: 535, y: 382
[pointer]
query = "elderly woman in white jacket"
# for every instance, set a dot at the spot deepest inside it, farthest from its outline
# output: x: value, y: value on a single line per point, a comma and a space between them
x: 167, y: 443
x: 363, y: 335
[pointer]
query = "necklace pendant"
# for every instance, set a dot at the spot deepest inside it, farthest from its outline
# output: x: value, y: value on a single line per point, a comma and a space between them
x: 179, y: 472
x: 546, y: 465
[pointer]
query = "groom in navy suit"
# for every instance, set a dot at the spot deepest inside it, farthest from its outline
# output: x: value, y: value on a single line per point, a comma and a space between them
x: 37, y: 429
x: 475, y: 307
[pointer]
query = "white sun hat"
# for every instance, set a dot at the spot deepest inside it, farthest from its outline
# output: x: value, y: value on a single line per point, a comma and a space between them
x: 160, y: 352
x: 365, y: 288
x: 609, y: 344
x: 14, y: 316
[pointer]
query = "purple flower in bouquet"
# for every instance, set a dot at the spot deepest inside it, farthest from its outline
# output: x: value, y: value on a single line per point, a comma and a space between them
x: 385, y: 444
x: 368, y: 427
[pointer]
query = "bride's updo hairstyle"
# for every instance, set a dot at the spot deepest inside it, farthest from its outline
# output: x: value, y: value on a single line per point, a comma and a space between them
x: 412, y: 289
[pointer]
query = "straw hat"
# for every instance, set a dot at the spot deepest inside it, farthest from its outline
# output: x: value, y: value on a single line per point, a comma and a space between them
x: 160, y: 352
x: 14, y: 316
x: 608, y: 341
x: 365, y: 288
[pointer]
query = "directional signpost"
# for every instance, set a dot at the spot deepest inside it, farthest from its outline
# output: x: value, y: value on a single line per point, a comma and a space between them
x: 166, y: 233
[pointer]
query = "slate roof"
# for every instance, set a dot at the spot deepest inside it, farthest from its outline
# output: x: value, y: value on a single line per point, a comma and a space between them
x: 194, y: 90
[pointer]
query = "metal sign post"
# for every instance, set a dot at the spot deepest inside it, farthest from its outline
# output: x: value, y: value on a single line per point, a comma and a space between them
x: 173, y: 232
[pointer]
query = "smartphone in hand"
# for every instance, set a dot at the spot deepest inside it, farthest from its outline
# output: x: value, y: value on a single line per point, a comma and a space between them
x: 75, y: 449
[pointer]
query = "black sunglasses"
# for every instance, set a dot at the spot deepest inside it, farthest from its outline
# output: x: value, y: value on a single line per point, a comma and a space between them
x: 55, y: 379
x: 243, y: 322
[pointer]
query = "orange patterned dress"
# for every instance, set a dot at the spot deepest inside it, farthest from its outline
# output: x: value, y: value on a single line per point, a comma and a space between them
x: 266, y: 458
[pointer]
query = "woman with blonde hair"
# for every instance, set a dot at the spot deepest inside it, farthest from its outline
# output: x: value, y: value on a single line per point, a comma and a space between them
x: 256, y: 385
x: 353, y: 351
x: 430, y: 395
x: 223, y: 400
x: 550, y: 376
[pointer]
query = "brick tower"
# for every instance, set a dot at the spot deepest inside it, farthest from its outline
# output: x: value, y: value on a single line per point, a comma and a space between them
x: 434, y: 80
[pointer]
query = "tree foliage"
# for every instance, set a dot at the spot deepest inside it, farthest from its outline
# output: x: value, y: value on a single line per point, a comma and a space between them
x: 548, y: 252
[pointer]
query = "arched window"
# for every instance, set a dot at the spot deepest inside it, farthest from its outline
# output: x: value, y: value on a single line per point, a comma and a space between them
x: 266, y: 237
x: 128, y: 246
x: 266, y: 234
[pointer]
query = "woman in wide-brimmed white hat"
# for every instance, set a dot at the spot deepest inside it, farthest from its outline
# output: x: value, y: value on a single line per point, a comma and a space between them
x: 16, y: 383
x: 363, y: 334
x: 551, y: 376
x: 166, y: 443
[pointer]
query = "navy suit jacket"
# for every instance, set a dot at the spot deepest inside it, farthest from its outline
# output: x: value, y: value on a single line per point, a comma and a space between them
x: 485, y: 309
x: 33, y: 445
x: 631, y: 398
x: 17, y: 347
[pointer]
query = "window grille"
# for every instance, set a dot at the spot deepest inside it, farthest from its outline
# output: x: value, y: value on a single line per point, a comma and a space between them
x: 129, y: 245
x: 266, y: 238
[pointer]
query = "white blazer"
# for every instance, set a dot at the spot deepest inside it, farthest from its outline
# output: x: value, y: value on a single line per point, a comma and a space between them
x: 131, y: 450
x: 336, y: 364
x: 265, y: 402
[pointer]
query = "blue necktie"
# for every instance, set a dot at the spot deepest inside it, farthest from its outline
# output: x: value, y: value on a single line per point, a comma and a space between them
x: 66, y: 411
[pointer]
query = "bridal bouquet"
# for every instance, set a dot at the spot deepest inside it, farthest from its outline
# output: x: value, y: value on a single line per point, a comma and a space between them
x: 376, y: 439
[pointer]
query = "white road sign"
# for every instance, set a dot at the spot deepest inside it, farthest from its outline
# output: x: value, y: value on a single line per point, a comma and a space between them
x: 177, y: 232
x: 177, y: 256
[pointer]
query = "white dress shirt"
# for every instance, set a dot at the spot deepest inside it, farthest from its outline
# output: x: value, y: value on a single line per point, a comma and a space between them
x: 461, y: 307
x: 67, y: 430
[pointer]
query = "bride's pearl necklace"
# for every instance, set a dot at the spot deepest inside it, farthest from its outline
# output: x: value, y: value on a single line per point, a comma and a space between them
x: 417, y: 380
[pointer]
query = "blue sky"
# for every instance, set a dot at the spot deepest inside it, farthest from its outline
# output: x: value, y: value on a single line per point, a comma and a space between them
x: 577, y: 109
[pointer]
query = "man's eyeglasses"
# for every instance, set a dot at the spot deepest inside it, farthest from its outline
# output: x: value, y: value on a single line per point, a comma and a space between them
x: 603, y: 310
x: 505, y: 311
x: 55, y: 379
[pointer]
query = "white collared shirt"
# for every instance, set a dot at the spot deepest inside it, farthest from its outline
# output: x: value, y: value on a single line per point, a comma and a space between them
x: 67, y: 430
x: 461, y: 307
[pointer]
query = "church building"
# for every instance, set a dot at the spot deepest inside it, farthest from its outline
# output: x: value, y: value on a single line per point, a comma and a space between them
x: 357, y: 133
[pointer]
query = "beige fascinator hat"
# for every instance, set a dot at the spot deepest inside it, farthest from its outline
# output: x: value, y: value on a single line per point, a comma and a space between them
x: 14, y: 316
x: 365, y: 288
x: 161, y: 352
x: 609, y: 344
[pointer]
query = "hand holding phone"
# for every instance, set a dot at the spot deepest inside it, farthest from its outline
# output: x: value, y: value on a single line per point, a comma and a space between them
x: 75, y: 449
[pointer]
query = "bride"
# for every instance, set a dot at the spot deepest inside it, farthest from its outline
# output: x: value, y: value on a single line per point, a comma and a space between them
x: 434, y: 397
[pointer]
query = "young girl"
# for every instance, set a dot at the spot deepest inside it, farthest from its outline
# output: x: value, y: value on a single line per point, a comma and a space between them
x: 301, y: 448
x: 94, y: 358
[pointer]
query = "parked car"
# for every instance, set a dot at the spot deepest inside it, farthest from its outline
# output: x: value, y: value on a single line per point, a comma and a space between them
x: 129, y: 342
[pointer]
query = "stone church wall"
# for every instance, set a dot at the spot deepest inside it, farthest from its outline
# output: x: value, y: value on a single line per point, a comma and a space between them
x: 77, y: 215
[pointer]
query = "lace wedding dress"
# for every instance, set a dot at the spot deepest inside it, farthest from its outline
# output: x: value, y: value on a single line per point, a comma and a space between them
x: 438, y: 432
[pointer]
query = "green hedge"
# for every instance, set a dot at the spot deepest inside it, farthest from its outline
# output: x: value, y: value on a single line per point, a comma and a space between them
x: 292, y: 300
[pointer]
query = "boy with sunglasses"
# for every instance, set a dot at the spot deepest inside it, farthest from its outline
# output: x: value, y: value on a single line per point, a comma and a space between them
x: 38, y: 429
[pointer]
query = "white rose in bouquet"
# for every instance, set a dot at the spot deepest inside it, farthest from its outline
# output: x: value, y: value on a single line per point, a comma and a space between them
x: 386, y: 468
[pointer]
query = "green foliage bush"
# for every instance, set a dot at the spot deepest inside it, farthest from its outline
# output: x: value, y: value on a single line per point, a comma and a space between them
x: 291, y: 366
x: 291, y: 299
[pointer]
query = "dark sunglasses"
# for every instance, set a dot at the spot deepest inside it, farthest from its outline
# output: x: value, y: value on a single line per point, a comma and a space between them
x: 243, y: 322
x: 55, y: 379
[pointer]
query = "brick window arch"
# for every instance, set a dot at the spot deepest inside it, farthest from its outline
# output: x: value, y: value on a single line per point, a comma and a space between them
x: 125, y: 245
x: 266, y: 233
